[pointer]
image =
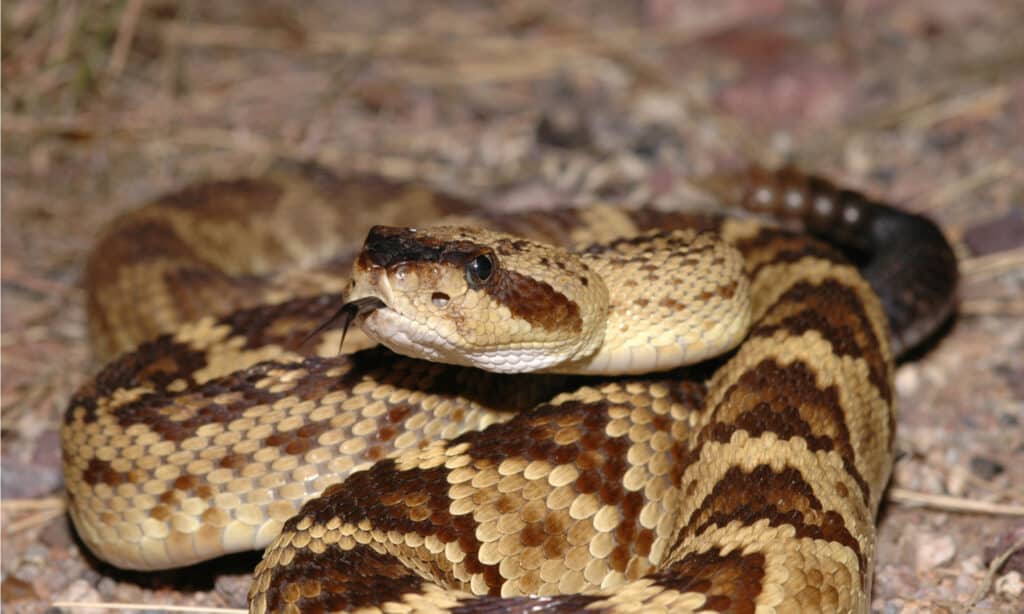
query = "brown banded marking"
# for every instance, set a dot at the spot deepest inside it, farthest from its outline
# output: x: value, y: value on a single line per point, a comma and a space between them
x: 526, y: 504
x: 272, y: 436
x: 537, y: 302
x: 800, y: 410
x: 183, y: 246
x: 176, y: 363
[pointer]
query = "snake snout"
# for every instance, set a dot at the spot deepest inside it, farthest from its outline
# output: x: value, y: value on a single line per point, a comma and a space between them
x: 360, y: 306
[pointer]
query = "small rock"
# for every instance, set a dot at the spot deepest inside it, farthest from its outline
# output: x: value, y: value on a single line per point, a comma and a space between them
x: 933, y: 550
x: 934, y: 375
x: 107, y: 586
x: 972, y: 566
x: 1002, y: 233
x: 21, y: 480
x: 893, y: 607
x: 48, y: 450
x: 530, y: 195
x: 57, y: 534
x: 1005, y: 541
x: 908, y: 380
x: 79, y: 591
x: 564, y: 127
x: 1014, y: 378
x: 234, y: 589
x: 986, y: 468
x: 956, y: 480
x: 1010, y: 585
x: 14, y: 589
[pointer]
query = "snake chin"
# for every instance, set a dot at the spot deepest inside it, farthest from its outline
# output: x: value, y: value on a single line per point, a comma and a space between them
x: 406, y: 336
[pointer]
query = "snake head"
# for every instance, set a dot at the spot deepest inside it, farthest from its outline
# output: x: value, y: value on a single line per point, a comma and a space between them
x: 477, y: 298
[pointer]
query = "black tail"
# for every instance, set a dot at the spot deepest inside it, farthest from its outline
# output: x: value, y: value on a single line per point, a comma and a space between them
x: 904, y: 256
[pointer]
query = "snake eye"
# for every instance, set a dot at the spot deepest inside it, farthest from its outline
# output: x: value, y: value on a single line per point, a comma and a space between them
x: 480, y: 270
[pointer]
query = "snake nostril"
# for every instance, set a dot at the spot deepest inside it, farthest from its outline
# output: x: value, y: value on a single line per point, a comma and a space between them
x: 439, y: 299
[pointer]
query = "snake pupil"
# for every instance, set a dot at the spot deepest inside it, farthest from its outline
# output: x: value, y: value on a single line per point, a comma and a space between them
x: 480, y: 269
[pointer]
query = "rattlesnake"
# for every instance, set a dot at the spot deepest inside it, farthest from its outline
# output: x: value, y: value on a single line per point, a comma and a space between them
x: 748, y: 481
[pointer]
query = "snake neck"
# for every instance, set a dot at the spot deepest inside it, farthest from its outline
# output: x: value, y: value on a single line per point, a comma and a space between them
x: 675, y: 298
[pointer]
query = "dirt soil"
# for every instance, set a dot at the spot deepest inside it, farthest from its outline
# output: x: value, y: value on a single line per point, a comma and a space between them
x: 106, y: 104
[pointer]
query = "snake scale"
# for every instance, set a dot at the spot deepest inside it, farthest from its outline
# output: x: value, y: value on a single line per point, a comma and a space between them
x: 749, y: 482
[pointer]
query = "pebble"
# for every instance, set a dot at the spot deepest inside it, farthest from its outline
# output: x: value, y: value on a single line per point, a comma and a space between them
x: 48, y: 451
x: 1002, y: 233
x: 908, y: 380
x: 1014, y: 378
x: 918, y: 476
x: 57, y: 534
x: 972, y: 566
x: 893, y: 607
x: 21, y: 480
x: 986, y: 468
x: 35, y: 556
x: 933, y: 551
x: 1010, y: 585
x: 79, y: 591
x: 956, y: 480
x: 234, y: 589
x: 14, y: 588
x: 1005, y: 541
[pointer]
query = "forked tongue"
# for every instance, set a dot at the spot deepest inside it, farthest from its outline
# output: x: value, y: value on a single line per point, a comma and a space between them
x: 348, y: 313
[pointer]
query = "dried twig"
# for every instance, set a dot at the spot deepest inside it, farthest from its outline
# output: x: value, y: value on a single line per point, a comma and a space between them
x: 18, y: 505
x: 64, y: 34
x: 991, y: 307
x: 15, y: 274
x: 33, y: 520
x: 961, y: 186
x: 145, y: 607
x: 947, y: 503
x: 990, y: 575
x: 125, y: 34
x: 993, y: 264
x: 987, y: 100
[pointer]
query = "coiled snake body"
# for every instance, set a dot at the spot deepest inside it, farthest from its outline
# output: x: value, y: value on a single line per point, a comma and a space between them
x: 746, y: 483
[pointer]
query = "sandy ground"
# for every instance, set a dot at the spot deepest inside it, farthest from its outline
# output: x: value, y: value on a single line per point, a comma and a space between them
x: 106, y: 104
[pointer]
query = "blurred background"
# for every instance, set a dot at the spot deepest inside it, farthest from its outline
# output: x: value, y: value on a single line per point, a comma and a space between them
x: 108, y: 103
